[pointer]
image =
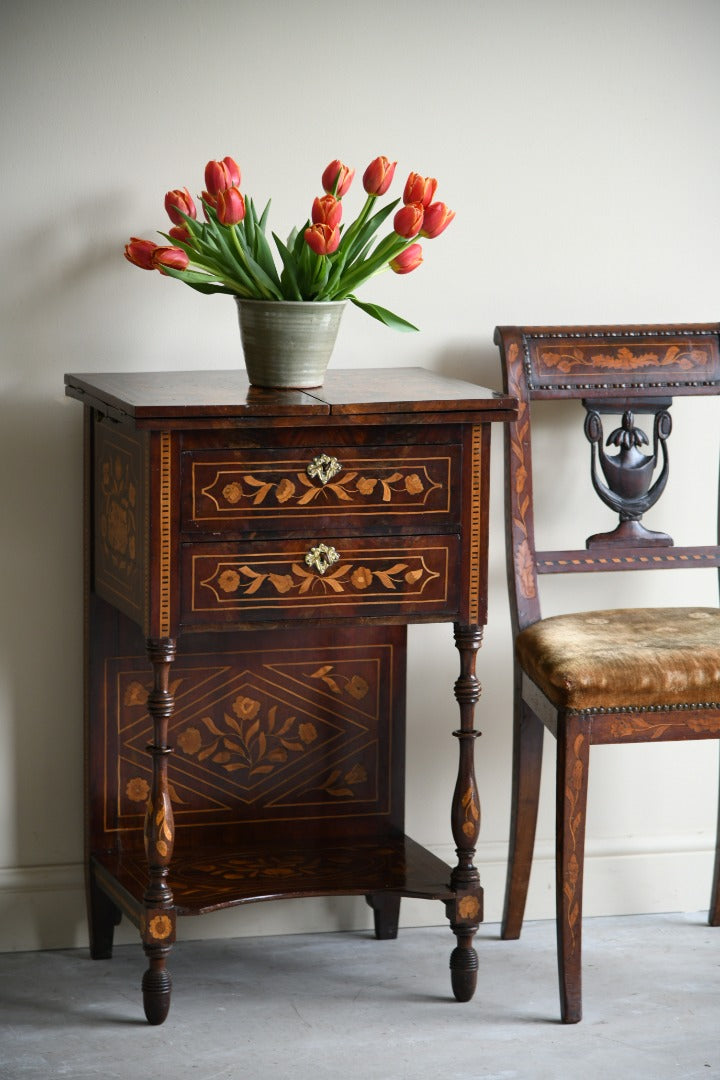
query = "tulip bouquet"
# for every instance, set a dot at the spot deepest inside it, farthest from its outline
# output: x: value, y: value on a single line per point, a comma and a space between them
x: 324, y: 260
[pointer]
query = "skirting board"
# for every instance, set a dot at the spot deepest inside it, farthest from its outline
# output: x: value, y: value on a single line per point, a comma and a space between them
x: 43, y: 907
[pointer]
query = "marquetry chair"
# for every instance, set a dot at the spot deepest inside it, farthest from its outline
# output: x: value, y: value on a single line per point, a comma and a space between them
x: 607, y: 676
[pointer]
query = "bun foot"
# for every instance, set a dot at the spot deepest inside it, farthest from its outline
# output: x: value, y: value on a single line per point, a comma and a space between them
x: 156, y: 988
x: 463, y: 972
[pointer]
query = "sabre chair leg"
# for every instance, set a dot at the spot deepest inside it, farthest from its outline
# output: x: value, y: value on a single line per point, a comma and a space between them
x: 573, y: 758
x: 527, y: 762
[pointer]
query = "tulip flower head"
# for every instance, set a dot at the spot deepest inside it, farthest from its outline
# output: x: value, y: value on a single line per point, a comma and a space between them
x: 230, y: 206
x: 407, y: 260
x: 337, y: 178
x: 175, y: 258
x: 378, y: 176
x: 326, y: 259
x: 220, y: 175
x: 140, y: 253
x: 409, y: 220
x: 436, y: 220
x: 180, y: 200
x: 322, y: 239
x: 327, y: 210
x: 419, y: 189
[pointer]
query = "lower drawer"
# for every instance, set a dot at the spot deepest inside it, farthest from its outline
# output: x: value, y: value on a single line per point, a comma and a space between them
x: 397, y: 577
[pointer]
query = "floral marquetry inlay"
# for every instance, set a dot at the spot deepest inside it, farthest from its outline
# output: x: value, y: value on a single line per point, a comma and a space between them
x: 323, y: 484
x: 237, y: 580
x: 118, y: 512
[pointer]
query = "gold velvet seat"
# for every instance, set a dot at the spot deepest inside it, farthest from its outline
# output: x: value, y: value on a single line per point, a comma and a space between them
x: 606, y: 676
x: 625, y: 658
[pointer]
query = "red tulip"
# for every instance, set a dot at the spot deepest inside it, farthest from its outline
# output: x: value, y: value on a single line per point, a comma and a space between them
x: 437, y: 218
x: 337, y: 173
x: 173, y: 257
x: 230, y: 207
x: 140, y: 253
x: 327, y: 210
x: 378, y: 176
x: 211, y: 200
x: 179, y: 200
x: 409, y: 219
x: 180, y: 232
x: 322, y: 239
x: 419, y: 189
x: 407, y: 260
x: 221, y: 174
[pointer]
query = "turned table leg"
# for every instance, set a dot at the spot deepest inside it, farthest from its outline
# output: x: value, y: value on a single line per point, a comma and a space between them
x: 465, y: 911
x: 158, y: 922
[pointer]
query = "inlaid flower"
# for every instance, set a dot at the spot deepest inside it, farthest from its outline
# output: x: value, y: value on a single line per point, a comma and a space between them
x: 357, y: 775
x: 366, y: 485
x: 246, y: 708
x: 135, y: 694
x: 284, y: 490
x: 413, y: 484
x: 232, y: 493
x: 357, y: 687
x: 362, y: 577
x: 307, y: 732
x: 282, y: 582
x: 118, y: 530
x: 229, y: 581
x: 137, y: 789
x: 190, y: 740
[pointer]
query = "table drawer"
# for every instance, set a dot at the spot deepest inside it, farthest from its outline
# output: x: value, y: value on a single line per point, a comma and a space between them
x: 311, y: 488
x: 378, y: 576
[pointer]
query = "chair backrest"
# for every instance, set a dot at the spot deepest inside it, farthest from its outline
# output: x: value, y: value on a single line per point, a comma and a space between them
x: 614, y: 371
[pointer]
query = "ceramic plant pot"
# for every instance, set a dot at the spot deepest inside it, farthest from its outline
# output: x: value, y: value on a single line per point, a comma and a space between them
x: 288, y: 343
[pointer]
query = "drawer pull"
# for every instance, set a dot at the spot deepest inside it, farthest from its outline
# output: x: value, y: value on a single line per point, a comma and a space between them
x: 321, y: 557
x: 323, y: 467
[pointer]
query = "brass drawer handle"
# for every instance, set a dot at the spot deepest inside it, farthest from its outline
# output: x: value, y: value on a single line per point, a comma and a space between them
x: 322, y: 557
x: 323, y: 467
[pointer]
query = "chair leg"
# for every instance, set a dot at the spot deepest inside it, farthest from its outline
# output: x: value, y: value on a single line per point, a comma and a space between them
x: 714, y: 913
x: 573, y: 759
x: 527, y: 762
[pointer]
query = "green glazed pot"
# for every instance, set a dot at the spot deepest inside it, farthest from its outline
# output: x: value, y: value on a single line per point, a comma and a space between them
x: 288, y: 343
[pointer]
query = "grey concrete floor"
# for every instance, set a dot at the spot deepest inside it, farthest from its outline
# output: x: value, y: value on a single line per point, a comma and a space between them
x: 347, y: 1007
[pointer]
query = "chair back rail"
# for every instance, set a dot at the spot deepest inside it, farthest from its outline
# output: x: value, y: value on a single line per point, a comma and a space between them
x: 624, y: 370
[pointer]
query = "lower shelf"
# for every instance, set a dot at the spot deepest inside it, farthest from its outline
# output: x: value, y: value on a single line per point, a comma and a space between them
x: 207, y: 881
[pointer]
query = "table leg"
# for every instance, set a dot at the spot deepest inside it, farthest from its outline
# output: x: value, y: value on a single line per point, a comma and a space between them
x: 465, y: 911
x: 158, y: 922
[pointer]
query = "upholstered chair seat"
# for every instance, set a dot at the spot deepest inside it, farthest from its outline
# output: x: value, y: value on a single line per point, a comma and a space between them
x: 637, y: 658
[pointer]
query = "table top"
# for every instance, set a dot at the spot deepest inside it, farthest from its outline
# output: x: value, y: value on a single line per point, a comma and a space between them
x: 187, y: 395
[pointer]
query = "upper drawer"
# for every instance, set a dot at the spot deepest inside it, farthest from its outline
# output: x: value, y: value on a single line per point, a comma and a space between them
x: 296, y: 489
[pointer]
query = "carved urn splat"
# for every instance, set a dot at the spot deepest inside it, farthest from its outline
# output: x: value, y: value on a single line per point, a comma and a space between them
x: 628, y: 486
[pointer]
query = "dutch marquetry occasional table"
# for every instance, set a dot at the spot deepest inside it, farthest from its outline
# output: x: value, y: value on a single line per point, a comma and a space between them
x: 253, y: 558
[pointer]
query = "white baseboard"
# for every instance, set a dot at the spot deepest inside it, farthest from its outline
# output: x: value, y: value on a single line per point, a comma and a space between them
x: 43, y: 907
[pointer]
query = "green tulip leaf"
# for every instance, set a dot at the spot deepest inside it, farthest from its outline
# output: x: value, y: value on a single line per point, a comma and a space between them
x: 395, y: 322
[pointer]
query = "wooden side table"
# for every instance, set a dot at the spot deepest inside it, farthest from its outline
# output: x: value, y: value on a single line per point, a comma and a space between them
x: 252, y: 560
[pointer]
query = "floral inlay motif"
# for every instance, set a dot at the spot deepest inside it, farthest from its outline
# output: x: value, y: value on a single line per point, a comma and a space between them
x: 245, y: 581
x: 573, y: 795
x: 524, y: 564
x: 341, y: 786
x: 354, y: 685
x: 623, y: 359
x: 472, y: 814
x: 300, y: 489
x: 252, y: 739
x: 160, y: 927
x: 468, y: 907
x: 137, y: 789
x: 118, y: 499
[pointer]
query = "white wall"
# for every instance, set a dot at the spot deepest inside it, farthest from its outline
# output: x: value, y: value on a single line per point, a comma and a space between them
x: 577, y: 142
